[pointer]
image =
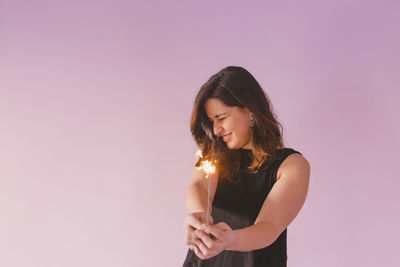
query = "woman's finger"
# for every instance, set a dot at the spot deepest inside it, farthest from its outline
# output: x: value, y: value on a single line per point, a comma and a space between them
x: 214, y: 230
x: 198, y: 252
x: 190, y: 238
x: 202, y: 248
x: 193, y: 221
x: 211, y: 220
x: 223, y: 226
x: 205, y: 238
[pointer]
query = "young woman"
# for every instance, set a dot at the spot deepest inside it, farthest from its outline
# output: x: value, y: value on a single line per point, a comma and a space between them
x: 259, y: 186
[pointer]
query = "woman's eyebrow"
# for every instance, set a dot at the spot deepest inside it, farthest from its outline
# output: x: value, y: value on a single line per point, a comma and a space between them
x: 216, y: 116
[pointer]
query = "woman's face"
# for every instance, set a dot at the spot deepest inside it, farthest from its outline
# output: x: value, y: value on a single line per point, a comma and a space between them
x: 231, y: 123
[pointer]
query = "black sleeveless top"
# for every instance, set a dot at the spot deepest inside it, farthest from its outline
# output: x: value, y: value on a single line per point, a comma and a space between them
x: 238, y: 205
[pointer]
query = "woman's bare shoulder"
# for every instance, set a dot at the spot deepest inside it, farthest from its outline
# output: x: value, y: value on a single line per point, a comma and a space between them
x: 294, y: 163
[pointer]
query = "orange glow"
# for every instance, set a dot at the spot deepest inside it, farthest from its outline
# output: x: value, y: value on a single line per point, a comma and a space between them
x: 206, y: 165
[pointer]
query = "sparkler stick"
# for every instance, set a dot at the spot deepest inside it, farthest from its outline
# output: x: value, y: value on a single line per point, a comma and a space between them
x: 209, y: 182
x: 209, y: 189
x: 209, y: 168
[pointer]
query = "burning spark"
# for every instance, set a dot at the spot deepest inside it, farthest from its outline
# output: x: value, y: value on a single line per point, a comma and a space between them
x: 206, y: 165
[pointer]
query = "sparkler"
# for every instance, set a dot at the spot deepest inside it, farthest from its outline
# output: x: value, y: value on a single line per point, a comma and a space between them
x: 209, y: 168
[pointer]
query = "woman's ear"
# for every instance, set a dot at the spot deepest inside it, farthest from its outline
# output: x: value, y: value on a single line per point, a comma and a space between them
x: 247, y: 111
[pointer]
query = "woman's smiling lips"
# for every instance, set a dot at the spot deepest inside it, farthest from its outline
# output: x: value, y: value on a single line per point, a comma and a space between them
x: 227, y: 136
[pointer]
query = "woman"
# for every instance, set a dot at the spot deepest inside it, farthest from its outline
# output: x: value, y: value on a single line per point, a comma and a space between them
x: 259, y: 186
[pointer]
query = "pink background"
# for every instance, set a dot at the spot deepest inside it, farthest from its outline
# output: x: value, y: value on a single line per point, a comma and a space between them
x: 95, y: 102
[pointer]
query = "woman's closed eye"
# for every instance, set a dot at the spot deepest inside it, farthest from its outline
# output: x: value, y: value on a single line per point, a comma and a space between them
x: 220, y: 119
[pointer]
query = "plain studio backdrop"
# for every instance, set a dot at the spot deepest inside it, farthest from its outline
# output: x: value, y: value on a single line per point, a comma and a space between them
x: 95, y: 105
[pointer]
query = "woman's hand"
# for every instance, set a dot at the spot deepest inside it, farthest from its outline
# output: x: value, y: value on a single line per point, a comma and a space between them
x: 194, y: 221
x: 205, y: 247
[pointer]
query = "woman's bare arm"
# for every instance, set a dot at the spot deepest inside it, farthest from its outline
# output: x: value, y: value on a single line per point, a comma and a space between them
x: 281, y: 206
x: 197, y: 191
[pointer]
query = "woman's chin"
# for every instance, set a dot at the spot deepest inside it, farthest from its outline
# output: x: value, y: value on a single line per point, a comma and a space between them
x: 230, y: 145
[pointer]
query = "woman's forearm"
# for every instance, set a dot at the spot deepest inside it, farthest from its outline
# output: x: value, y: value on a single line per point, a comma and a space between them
x: 196, y: 199
x: 256, y: 236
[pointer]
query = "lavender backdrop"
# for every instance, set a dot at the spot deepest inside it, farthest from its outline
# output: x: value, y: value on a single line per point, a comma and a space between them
x: 95, y: 101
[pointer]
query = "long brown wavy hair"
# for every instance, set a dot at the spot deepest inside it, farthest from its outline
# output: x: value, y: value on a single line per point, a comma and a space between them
x: 236, y: 87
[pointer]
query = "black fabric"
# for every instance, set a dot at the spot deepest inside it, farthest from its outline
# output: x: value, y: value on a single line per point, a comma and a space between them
x: 238, y: 205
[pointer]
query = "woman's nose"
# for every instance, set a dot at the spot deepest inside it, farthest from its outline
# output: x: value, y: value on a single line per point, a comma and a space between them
x: 217, y: 128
